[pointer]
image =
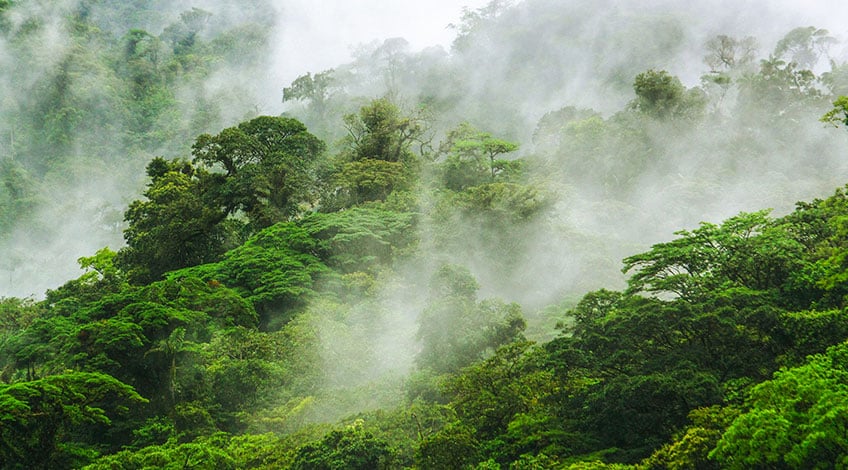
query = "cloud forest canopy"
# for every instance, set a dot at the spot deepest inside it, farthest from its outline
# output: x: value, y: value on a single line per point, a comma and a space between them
x: 418, y: 264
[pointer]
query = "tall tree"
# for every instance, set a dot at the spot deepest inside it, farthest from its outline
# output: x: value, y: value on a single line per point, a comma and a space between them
x: 378, y: 158
x: 455, y: 330
x: 316, y: 89
x: 270, y: 167
x: 472, y: 157
x: 661, y: 95
x: 175, y: 227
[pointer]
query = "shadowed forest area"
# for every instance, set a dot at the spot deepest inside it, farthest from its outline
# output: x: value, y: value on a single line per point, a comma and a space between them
x: 586, y: 235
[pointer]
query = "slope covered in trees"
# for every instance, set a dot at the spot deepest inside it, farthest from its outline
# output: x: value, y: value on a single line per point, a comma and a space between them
x: 374, y: 280
x: 725, y: 350
x: 90, y: 92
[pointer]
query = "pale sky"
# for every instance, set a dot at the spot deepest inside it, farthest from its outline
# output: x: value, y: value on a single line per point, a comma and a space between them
x: 320, y: 34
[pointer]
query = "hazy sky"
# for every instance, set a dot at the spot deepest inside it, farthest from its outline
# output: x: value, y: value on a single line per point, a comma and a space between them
x: 320, y: 34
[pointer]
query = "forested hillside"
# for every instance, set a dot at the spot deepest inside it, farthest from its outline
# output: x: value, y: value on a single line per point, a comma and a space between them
x: 91, y: 91
x: 431, y: 259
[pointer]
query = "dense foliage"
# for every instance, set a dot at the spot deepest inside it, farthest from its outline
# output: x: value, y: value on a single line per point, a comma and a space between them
x: 283, y: 301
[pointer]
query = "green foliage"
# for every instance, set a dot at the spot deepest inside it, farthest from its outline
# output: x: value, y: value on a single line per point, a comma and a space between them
x: 184, y: 221
x: 810, y: 332
x: 147, y: 337
x: 748, y: 251
x: 796, y: 420
x: 471, y: 158
x: 474, y: 20
x: 174, y: 228
x: 248, y: 370
x: 804, y: 46
x: 18, y: 194
x: 217, y: 451
x: 611, y: 154
x: 361, y: 238
x: 495, y: 395
x: 313, y: 88
x: 728, y: 53
x: 116, y: 89
x: 17, y: 314
x: 269, y: 165
x: 455, y: 330
x: 644, y: 364
x: 274, y: 270
x: 453, y: 447
x: 371, y: 179
x: 380, y: 132
x: 262, y: 286
x: 492, y: 226
x: 501, y: 201
x: 54, y: 421
x: 819, y: 226
x: 782, y: 85
x: 351, y: 448
x: 101, y: 277
x: 662, y: 96
x: 839, y: 114
x: 378, y: 157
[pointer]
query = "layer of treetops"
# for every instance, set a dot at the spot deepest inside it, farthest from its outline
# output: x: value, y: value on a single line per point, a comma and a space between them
x: 287, y: 302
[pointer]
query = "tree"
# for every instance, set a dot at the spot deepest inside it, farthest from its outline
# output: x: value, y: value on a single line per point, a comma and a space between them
x: 781, y: 86
x: 490, y: 394
x: 270, y: 167
x: 274, y: 270
x: 18, y: 194
x: 455, y: 330
x: 378, y: 158
x: 248, y: 369
x: 804, y: 46
x: 661, y: 95
x: 796, y: 420
x: 17, y: 314
x: 351, y: 448
x: 633, y: 367
x: 371, y: 179
x: 174, y: 228
x: 265, y: 168
x: 839, y: 114
x: 101, y: 276
x: 313, y: 88
x: 472, y: 157
x: 819, y: 226
x: 725, y: 53
x: 748, y: 250
x: 169, y: 349
x: 690, y: 449
x: 728, y: 59
x: 381, y: 132
x: 54, y: 422
x: 183, y: 35
x: 144, y: 336
x: 475, y: 21
x: 143, y: 66
x: 361, y: 238
x: 218, y: 451
x: 455, y: 446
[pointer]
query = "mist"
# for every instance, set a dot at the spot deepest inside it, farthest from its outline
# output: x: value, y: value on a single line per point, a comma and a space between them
x: 318, y: 36
x: 513, y: 72
x: 586, y: 55
x: 605, y: 47
x: 88, y: 204
x: 536, y: 57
